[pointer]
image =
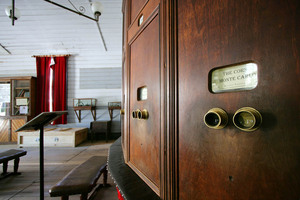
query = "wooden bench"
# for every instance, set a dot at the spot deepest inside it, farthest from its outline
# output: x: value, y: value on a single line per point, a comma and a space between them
x: 12, y: 154
x: 82, y: 179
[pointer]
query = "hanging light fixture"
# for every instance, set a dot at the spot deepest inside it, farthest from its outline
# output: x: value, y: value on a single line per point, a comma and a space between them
x: 97, y: 9
x: 12, y: 12
x: 3, y: 50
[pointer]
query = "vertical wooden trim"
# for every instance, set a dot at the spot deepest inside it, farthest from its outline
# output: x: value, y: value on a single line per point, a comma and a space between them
x: 11, y: 98
x: 126, y: 82
x: 10, y: 130
x: 122, y: 117
x: 176, y: 97
x: 172, y: 146
x: 124, y: 2
x: 33, y: 97
x: 128, y: 112
x: 169, y: 63
x: 129, y: 8
x: 164, y: 96
x: 168, y: 98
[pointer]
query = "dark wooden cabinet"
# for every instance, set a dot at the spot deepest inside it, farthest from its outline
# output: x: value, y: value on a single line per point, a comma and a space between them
x: 171, y: 48
x: 146, y: 132
x: 18, y: 99
x: 144, y: 145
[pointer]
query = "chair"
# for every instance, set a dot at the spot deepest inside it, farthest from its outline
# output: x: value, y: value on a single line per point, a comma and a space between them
x: 100, y: 127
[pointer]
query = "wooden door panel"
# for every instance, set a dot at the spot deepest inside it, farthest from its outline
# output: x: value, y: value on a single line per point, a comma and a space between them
x: 146, y: 14
x: 136, y: 6
x: 4, y: 130
x: 15, y: 124
x: 230, y: 163
x: 145, y: 134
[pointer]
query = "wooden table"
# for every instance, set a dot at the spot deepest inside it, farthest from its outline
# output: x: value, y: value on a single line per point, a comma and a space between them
x: 80, y: 108
x: 113, y: 106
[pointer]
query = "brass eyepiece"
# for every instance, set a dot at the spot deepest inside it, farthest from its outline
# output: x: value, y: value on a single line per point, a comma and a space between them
x: 247, y: 119
x: 216, y: 118
x: 142, y: 114
x: 135, y: 113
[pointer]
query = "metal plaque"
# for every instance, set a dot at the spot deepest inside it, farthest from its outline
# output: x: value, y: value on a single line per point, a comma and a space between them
x: 234, y: 78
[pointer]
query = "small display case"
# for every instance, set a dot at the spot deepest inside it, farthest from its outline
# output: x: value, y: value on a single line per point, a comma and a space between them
x: 84, y: 104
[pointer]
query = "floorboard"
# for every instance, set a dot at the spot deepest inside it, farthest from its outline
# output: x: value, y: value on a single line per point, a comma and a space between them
x: 58, y: 162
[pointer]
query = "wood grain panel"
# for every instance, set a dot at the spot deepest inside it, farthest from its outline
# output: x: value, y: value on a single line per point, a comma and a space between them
x: 147, y: 12
x: 145, y: 134
x: 229, y: 163
x: 15, y: 124
x: 136, y: 6
x: 4, y: 125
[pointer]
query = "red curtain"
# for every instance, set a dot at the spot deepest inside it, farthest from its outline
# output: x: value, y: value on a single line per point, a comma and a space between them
x: 43, y: 84
x: 59, y: 88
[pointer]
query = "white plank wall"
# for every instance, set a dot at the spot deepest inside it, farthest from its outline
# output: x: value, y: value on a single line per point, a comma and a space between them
x: 101, y: 78
x: 45, y: 29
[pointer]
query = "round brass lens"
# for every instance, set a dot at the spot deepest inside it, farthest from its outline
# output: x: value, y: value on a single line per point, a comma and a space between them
x: 142, y: 114
x: 134, y: 115
x: 139, y: 114
x: 216, y: 118
x: 245, y: 120
x: 212, y: 119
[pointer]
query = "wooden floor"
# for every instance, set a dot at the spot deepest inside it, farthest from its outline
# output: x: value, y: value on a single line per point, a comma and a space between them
x: 58, y: 162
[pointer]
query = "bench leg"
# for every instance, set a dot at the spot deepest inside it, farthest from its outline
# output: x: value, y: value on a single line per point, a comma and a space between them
x: 65, y: 198
x: 84, y: 196
x: 16, y: 165
x: 105, y: 177
x: 5, y: 167
x: 106, y: 136
x: 92, y: 136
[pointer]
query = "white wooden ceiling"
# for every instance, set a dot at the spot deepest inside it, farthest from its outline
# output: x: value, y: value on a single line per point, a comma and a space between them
x: 44, y: 29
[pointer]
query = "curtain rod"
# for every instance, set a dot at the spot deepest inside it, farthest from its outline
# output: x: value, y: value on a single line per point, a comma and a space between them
x: 60, y: 55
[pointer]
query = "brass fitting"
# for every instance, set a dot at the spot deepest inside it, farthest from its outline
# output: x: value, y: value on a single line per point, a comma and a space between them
x: 135, y: 113
x: 216, y: 118
x: 143, y: 114
x: 247, y: 119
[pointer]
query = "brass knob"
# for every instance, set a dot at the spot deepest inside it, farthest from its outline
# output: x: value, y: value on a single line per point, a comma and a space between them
x: 216, y: 118
x: 247, y: 119
x: 122, y: 112
x: 135, y: 113
x: 143, y: 114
